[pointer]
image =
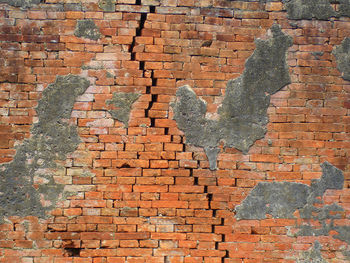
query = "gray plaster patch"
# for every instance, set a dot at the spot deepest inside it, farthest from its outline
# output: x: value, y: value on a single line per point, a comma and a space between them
x: 27, y: 185
x: 243, y: 114
x: 107, y: 5
x: 344, y: 8
x: 279, y: 199
x: 308, y: 9
x: 282, y: 199
x: 21, y: 3
x: 122, y: 101
x: 342, y: 55
x: 313, y: 255
x: 86, y: 28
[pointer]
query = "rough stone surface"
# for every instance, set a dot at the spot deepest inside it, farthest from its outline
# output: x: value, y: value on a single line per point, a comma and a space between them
x: 27, y: 186
x: 21, y: 3
x: 342, y: 55
x: 313, y: 255
x: 243, y: 114
x: 308, y: 9
x: 107, y: 5
x: 122, y: 101
x: 282, y: 199
x: 86, y: 28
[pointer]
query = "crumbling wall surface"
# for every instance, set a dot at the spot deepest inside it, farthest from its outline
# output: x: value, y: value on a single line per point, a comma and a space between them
x: 174, y: 131
x: 243, y: 112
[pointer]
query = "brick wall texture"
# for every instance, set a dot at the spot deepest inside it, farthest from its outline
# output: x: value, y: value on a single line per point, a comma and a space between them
x: 137, y: 192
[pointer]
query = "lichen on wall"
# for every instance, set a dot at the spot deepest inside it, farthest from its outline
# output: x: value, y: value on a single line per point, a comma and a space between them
x: 243, y: 114
x: 27, y: 185
x: 342, y: 55
x: 86, y: 28
x: 123, y: 102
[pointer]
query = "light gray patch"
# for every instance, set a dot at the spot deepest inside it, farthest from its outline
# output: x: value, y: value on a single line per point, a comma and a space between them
x: 344, y: 8
x: 123, y: 101
x: 343, y: 233
x: 21, y: 3
x: 346, y: 254
x: 86, y: 28
x: 313, y: 255
x: 279, y: 199
x: 243, y: 114
x: 107, y: 5
x: 342, y: 55
x: 212, y: 154
x: 282, y: 199
x: 332, y: 178
x: 309, y: 9
x: 52, y: 139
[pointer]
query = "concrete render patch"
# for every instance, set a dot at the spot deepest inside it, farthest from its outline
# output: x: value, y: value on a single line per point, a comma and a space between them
x: 27, y: 185
x: 318, y: 9
x: 243, y: 114
x: 21, y: 3
x: 123, y: 102
x: 107, y: 5
x: 342, y: 55
x: 313, y: 255
x: 86, y: 28
x: 283, y: 199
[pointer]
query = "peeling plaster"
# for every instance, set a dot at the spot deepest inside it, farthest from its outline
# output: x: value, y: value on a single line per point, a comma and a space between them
x: 21, y: 3
x: 243, y: 114
x: 122, y: 101
x: 27, y: 184
x: 313, y: 255
x: 283, y: 199
x: 86, y: 28
x: 342, y: 55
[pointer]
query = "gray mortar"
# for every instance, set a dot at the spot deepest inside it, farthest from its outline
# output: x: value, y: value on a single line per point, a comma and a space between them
x: 86, y: 28
x: 21, y: 3
x: 243, y: 114
x: 52, y: 139
x: 313, y: 255
x: 342, y: 55
x: 107, y: 5
x: 123, y: 101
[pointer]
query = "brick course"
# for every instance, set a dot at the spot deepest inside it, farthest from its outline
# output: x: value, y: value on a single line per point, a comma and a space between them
x: 141, y: 193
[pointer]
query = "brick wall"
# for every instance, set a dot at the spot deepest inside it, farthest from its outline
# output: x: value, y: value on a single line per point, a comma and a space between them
x: 136, y: 191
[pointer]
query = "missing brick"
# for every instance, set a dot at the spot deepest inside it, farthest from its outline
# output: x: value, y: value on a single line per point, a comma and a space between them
x: 72, y: 251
